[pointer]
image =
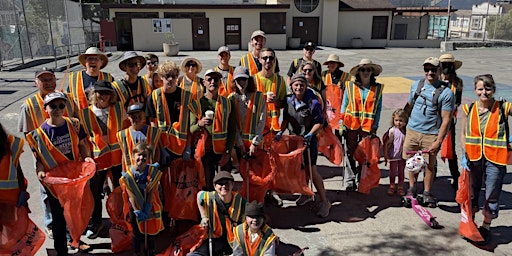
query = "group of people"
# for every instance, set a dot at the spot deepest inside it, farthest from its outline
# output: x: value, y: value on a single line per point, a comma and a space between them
x: 136, y: 127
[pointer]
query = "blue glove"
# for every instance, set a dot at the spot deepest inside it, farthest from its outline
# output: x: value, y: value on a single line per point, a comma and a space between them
x: 307, y: 138
x: 147, y: 208
x: 141, y: 215
x: 465, y: 163
x: 187, y: 153
x: 510, y: 139
x: 23, y: 196
x: 278, y: 136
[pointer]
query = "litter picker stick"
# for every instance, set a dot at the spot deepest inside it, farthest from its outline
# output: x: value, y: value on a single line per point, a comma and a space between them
x: 146, y: 225
x: 210, y: 245
x: 247, y: 157
x: 310, y: 172
x: 299, y: 252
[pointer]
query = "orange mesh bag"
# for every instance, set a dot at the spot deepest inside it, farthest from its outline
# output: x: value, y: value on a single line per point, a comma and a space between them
x: 187, y: 242
x: 446, y: 147
x: 286, y: 161
x: 186, y: 182
x: 330, y: 146
x: 121, y: 231
x: 68, y: 183
x: 19, y: 235
x: 334, y: 95
x: 368, y: 154
x: 467, y: 226
x: 261, y: 175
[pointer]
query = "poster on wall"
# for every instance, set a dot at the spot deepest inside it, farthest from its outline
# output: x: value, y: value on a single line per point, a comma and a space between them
x: 161, y: 25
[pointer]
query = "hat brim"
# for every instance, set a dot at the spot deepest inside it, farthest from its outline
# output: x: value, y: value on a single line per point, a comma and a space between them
x: 199, y: 65
x: 335, y: 61
x: 44, y: 72
x: 457, y: 64
x: 377, y: 69
x: 103, y: 57
x: 141, y: 59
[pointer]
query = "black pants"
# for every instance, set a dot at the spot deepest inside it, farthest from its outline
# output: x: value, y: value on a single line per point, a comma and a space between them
x: 138, y: 237
x: 210, y: 162
x: 452, y: 163
x: 96, y: 185
x: 58, y: 225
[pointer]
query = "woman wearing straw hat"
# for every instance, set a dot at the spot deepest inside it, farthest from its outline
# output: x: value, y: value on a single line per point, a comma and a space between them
x: 190, y: 81
x: 361, y: 106
x: 449, y: 65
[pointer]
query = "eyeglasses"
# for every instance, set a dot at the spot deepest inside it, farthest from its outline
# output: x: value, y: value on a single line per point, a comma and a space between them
x: 191, y: 64
x: 213, y: 79
x: 92, y: 59
x: 307, y: 70
x: 309, y: 49
x: 365, y: 70
x: 152, y: 63
x: 268, y: 58
x: 223, y: 182
x: 55, y: 106
x: 132, y: 64
x: 430, y: 70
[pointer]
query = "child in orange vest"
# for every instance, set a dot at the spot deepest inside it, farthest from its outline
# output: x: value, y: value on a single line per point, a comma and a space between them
x: 393, y: 145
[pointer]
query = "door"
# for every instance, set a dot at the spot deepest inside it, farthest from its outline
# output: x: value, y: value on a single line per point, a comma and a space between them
x: 200, y: 34
x: 400, y: 32
x: 124, y: 31
x: 305, y: 28
x: 233, y: 33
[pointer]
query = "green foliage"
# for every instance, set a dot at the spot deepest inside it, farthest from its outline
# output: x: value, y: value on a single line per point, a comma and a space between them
x: 502, y: 26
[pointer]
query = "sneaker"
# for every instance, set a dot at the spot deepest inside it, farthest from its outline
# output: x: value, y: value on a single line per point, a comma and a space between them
x: 94, y: 230
x: 49, y: 232
x: 303, y: 199
x: 486, y: 235
x: 82, y: 247
x: 325, y: 206
x: 428, y: 200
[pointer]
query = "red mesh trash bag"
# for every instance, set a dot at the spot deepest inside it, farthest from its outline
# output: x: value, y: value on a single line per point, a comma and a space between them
x: 367, y: 154
x: 286, y: 161
x: 185, y: 183
x: 330, y: 146
x: 121, y: 231
x: 334, y: 95
x: 467, y: 226
x: 19, y: 235
x: 187, y: 242
x: 446, y: 147
x: 68, y: 183
x: 261, y: 175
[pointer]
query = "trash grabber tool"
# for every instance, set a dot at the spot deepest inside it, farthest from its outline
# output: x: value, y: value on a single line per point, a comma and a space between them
x: 310, y: 172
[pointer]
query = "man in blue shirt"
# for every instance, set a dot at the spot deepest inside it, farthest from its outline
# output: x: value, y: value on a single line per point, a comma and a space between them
x: 428, y: 123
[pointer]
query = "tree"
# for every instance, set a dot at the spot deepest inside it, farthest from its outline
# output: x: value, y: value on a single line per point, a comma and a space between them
x: 502, y: 26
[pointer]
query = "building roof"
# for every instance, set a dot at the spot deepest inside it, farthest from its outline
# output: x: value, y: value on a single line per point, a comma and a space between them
x: 365, y: 4
x: 506, y: 8
x: 463, y: 13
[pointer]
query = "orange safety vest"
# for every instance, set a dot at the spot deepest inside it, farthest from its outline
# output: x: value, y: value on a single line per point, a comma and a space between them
x: 175, y: 134
x: 235, y: 212
x: 359, y: 114
x: 252, y: 118
x: 37, y: 113
x: 272, y: 121
x: 249, y: 62
x: 334, y: 94
x: 76, y: 87
x: 126, y: 143
x: 225, y: 89
x: 9, y: 186
x: 196, y: 89
x: 125, y: 94
x: 154, y: 224
x: 260, y: 245
x: 493, y: 141
x: 106, y: 153
x: 220, y: 122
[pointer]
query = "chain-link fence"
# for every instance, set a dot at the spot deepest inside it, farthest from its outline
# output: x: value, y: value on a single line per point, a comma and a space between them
x: 39, y: 28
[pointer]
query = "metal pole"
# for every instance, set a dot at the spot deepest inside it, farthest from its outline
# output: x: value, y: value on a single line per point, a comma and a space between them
x: 69, y: 29
x: 51, y: 33
x: 18, y: 29
x: 26, y: 29
x: 484, y: 25
x: 448, y: 21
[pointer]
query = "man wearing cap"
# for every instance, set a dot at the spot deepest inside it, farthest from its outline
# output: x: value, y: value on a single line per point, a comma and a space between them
x: 190, y: 81
x: 251, y: 59
x: 220, y: 210
x: 33, y: 114
x: 59, y: 139
x: 81, y: 81
x: 428, y: 123
x: 226, y: 70
x: 151, y: 66
x: 254, y: 236
x: 213, y: 117
x: 132, y: 88
x: 295, y: 66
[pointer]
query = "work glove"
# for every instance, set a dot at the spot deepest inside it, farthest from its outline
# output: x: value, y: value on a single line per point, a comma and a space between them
x: 204, y: 222
x: 187, y: 153
x: 141, y: 215
x: 465, y: 163
x: 278, y: 136
x: 307, y: 139
x: 342, y: 129
x: 23, y: 196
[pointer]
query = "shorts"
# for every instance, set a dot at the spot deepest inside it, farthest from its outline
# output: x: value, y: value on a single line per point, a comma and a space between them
x: 415, y: 141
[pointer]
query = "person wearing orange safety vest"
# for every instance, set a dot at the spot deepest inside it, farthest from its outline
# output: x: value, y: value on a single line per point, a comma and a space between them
x: 361, y: 107
x: 13, y: 185
x: 190, y: 81
x: 212, y: 116
x: 254, y: 237
x: 59, y: 139
x: 226, y: 70
x: 132, y: 88
x: 251, y: 59
x: 220, y: 210
x: 151, y: 66
x: 102, y: 120
x: 80, y: 82
x: 484, y: 132
x: 141, y: 200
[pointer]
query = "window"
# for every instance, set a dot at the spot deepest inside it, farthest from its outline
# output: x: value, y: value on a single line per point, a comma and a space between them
x: 455, y: 23
x: 476, y: 23
x: 380, y: 27
x: 306, y: 6
x: 273, y: 22
x: 464, y: 23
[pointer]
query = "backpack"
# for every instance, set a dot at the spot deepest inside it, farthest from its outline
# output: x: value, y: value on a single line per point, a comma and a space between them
x: 388, y: 136
x: 435, y: 100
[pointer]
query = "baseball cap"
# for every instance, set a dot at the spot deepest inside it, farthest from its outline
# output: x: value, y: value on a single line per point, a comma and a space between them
x: 258, y: 33
x: 223, y: 175
x: 211, y: 72
x: 254, y: 209
x: 432, y: 61
x: 137, y: 106
x: 309, y: 44
x: 54, y: 96
x: 43, y: 71
x: 240, y: 71
x: 223, y: 49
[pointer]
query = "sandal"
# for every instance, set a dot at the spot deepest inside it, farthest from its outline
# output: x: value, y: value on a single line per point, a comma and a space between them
x: 391, y: 190
x: 401, y: 191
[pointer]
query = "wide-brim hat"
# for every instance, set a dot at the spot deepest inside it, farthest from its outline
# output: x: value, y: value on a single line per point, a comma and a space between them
x: 334, y: 58
x: 377, y: 69
x: 448, y: 57
x: 93, y: 51
x: 184, y: 62
x: 132, y: 55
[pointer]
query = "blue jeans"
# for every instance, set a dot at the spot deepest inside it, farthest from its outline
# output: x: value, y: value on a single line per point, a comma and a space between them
x: 493, y: 174
x: 47, y: 214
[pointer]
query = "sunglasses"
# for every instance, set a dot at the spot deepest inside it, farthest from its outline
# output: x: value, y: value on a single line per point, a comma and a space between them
x: 152, y: 62
x: 365, y: 70
x: 55, y: 106
x: 307, y: 70
x: 309, y: 49
x: 223, y: 182
x: 169, y: 75
x: 191, y: 64
x: 430, y: 69
x: 132, y: 64
x: 213, y: 79
x: 268, y: 58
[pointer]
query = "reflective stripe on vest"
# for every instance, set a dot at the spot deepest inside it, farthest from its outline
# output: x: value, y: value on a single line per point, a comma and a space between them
x: 125, y: 94
x: 196, y: 90
x: 493, y: 143
x: 252, y: 117
x: 272, y: 121
x: 359, y: 114
x: 249, y: 62
x: 76, y: 87
x: 225, y: 88
x: 126, y: 143
x: 38, y: 115
x: 234, y: 212
x: 260, y: 245
x: 9, y: 164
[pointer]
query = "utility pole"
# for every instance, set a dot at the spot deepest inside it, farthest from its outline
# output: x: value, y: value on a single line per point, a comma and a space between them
x: 448, y: 21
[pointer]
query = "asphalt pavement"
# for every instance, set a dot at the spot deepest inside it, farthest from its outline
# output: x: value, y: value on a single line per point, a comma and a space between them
x: 358, y: 224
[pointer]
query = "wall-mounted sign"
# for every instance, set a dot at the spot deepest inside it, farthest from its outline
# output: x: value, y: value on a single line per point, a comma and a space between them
x: 162, y: 25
